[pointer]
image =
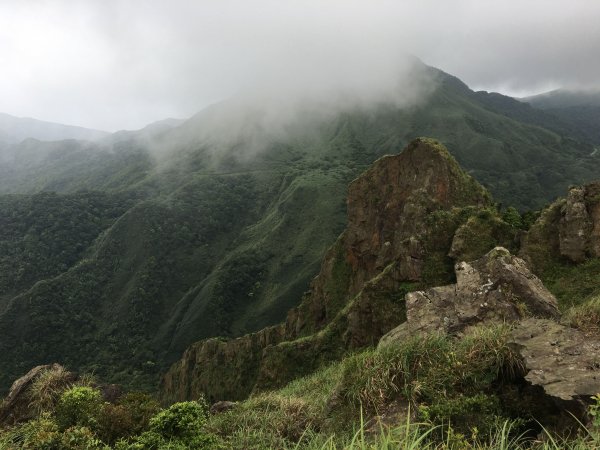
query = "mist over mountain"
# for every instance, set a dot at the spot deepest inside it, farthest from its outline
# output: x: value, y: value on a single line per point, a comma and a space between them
x: 152, y: 239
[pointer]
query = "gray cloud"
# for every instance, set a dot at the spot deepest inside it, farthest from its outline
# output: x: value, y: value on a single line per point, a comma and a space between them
x: 120, y: 64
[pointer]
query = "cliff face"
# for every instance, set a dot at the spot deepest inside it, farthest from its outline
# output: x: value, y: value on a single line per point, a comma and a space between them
x: 569, y: 229
x: 402, y: 215
x: 389, y: 207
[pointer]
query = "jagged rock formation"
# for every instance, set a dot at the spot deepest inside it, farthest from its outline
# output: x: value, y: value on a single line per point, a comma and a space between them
x: 495, y: 288
x: 568, y: 229
x: 400, y: 229
x: 16, y: 406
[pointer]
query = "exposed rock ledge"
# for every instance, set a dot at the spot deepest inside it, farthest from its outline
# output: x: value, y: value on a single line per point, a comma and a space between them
x: 564, y: 362
x: 497, y: 287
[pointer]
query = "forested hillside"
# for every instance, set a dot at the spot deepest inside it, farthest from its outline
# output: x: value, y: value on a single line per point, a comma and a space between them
x: 152, y: 241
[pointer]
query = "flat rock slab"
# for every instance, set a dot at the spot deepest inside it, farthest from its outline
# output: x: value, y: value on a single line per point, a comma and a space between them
x: 499, y: 287
x: 564, y: 361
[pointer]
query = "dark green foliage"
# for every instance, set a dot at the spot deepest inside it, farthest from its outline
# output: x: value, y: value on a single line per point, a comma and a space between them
x: 181, y: 426
x: 181, y: 420
x: 78, y: 406
x: 512, y: 217
x: 465, y: 413
x: 128, y: 417
x: 45, y: 234
x: 573, y: 284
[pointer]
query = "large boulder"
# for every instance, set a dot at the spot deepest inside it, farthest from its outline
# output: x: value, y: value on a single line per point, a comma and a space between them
x: 498, y: 287
x: 564, y: 361
x: 17, y: 406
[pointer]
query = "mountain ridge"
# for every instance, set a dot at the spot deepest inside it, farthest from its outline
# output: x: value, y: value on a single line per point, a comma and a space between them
x: 222, y: 238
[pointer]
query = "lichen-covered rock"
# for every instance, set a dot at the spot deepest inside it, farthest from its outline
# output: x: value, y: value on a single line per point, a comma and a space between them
x: 575, y: 226
x: 564, y: 361
x: 390, y: 207
x: 374, y: 311
x: 495, y: 288
x: 569, y: 229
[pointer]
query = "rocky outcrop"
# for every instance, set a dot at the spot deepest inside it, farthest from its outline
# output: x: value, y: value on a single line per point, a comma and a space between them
x: 16, y: 407
x: 391, y: 215
x: 561, y: 365
x: 564, y: 361
x: 575, y: 226
x: 400, y: 229
x: 219, y: 369
x: 495, y: 288
x: 568, y: 229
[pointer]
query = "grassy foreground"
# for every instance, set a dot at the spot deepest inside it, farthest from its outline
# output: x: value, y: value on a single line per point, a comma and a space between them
x: 431, y: 393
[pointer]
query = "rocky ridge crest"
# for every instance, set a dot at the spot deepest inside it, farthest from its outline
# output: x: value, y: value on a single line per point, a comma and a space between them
x: 402, y: 214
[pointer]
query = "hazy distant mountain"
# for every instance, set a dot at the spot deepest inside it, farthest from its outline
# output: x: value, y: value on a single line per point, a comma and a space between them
x: 564, y: 98
x: 150, y: 131
x: 580, y: 109
x: 15, y: 129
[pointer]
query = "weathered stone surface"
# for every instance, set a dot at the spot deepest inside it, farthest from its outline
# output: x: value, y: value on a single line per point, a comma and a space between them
x: 388, y: 208
x: 575, y: 226
x: 218, y: 369
x: 495, y: 288
x: 564, y: 361
x: 569, y: 228
x: 16, y: 406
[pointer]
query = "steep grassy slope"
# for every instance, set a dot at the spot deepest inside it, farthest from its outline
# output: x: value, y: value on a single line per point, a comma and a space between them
x: 224, y: 227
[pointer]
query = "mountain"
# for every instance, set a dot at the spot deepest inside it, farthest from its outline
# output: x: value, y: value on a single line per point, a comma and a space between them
x: 15, y: 129
x: 119, y: 254
x: 400, y: 226
x: 422, y: 325
x: 580, y: 109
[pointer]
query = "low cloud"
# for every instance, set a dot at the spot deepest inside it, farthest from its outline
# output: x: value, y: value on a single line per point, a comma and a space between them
x: 115, y: 64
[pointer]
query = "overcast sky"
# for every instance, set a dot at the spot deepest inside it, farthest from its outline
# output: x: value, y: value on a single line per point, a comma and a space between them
x: 113, y: 64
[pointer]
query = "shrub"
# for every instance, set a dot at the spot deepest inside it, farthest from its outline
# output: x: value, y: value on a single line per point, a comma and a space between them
x: 422, y: 367
x: 181, y: 426
x: 586, y: 316
x: 80, y: 438
x: 38, y: 434
x: 79, y: 406
x: 180, y: 420
x: 130, y: 416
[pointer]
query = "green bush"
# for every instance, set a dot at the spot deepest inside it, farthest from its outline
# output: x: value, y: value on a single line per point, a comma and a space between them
x: 130, y: 416
x: 181, y: 426
x: 180, y: 420
x: 79, y: 406
x: 41, y: 433
x: 465, y: 413
x: 80, y: 438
